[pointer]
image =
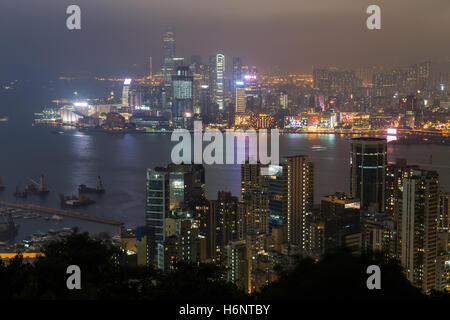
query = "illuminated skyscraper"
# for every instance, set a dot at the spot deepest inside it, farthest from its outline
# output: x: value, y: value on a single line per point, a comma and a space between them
x: 283, y: 100
x: 182, y: 107
x: 126, y: 92
x: 298, y: 197
x: 368, y: 160
x: 168, y: 55
x: 241, y: 97
x: 223, y: 224
x: 237, y: 69
x: 156, y: 210
x: 417, y: 228
x: 219, y: 71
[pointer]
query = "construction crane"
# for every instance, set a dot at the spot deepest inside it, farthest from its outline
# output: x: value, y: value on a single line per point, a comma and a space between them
x: 37, y: 188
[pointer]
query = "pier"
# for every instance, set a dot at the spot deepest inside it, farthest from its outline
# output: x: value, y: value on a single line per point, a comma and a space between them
x: 59, y: 212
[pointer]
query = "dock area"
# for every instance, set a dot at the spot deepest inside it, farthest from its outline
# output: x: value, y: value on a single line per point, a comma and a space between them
x: 59, y: 212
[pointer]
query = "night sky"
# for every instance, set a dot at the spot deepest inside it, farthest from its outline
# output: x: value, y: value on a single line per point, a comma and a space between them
x: 117, y: 37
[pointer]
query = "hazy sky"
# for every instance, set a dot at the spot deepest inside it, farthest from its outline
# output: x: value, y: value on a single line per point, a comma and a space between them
x: 117, y: 37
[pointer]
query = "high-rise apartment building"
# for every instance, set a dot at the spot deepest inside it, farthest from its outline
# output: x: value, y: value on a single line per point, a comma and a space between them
x: 298, y: 197
x: 223, y: 224
x: 417, y: 228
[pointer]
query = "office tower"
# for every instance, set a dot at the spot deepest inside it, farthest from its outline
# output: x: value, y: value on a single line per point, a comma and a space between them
x: 168, y: 55
x: 220, y: 82
x: 196, y: 62
x: 284, y: 101
x: 298, y: 197
x: 368, y: 160
x: 241, y: 98
x: 157, y: 208
x: 237, y: 70
x: 206, y: 111
x: 187, y: 184
x: 182, y: 109
x: 126, y: 93
x: 417, y: 228
x: 223, y: 224
x: 178, y: 62
x: 151, y: 68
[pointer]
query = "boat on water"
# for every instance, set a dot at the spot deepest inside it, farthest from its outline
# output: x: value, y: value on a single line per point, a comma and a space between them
x: 73, y: 201
x: 56, y: 218
x: 318, y: 148
x: 38, y: 188
x: 82, y: 188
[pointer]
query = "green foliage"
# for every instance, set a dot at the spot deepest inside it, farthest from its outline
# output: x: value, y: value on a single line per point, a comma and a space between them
x: 339, y: 275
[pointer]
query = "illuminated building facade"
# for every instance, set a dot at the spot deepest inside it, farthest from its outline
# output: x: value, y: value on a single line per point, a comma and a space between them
x: 182, y: 107
x: 156, y: 210
x: 168, y: 55
x: 368, y: 160
x: 298, y: 197
x: 219, y: 72
x: 417, y: 228
x: 241, y: 97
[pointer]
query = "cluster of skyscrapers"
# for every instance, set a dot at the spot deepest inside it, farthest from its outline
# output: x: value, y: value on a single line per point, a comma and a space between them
x: 395, y: 208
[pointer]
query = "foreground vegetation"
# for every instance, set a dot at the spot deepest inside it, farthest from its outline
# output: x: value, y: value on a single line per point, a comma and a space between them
x: 338, y: 275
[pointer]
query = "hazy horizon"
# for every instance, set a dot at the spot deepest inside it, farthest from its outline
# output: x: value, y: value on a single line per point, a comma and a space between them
x: 118, y: 37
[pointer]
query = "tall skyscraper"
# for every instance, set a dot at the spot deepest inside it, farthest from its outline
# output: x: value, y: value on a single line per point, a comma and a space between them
x: 255, y: 198
x: 284, y: 100
x: 298, y: 197
x: 223, y: 224
x: 368, y: 160
x: 417, y: 228
x: 126, y: 93
x: 220, y: 72
x: 168, y: 55
x: 156, y: 211
x: 241, y: 97
x: 182, y: 107
x: 395, y: 173
x: 187, y: 184
x: 237, y: 70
